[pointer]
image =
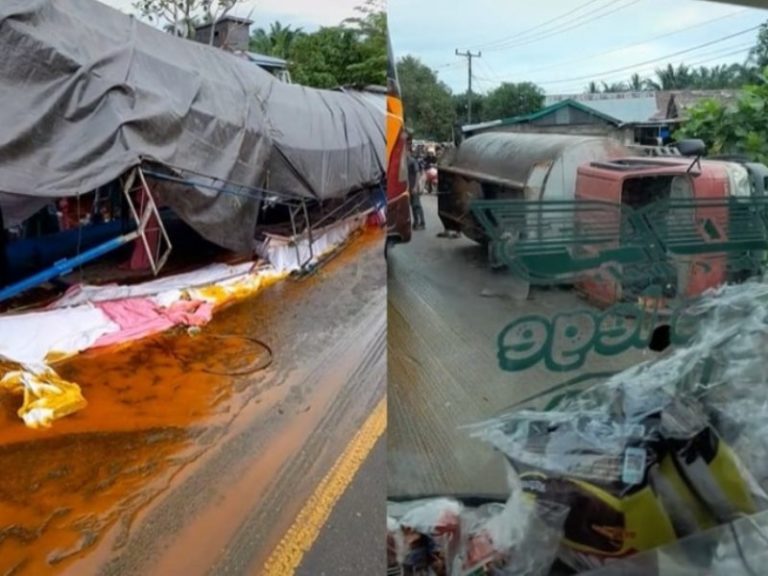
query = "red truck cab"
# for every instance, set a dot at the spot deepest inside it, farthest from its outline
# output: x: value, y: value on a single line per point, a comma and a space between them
x: 636, y: 183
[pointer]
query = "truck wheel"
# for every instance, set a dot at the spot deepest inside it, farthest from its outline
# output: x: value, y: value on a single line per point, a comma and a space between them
x: 390, y: 242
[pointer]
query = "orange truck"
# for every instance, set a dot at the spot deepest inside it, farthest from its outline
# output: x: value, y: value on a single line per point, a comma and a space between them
x: 398, y: 195
x: 639, y: 182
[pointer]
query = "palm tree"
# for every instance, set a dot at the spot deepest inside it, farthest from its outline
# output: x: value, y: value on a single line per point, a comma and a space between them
x: 758, y: 55
x: 743, y: 74
x: 615, y: 87
x: 636, y: 83
x: 278, y: 41
x: 723, y: 76
x: 671, y: 78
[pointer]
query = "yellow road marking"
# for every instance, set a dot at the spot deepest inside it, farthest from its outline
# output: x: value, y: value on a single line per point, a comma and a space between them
x: 306, y: 528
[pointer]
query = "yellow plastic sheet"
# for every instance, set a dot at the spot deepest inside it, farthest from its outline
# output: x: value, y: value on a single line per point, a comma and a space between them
x: 47, y: 396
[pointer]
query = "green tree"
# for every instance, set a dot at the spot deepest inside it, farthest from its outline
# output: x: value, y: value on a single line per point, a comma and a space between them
x: 429, y: 108
x: 353, y: 53
x: 461, y: 107
x: 370, y: 26
x: 180, y: 16
x: 321, y: 59
x: 637, y: 83
x: 512, y: 99
x: 742, y: 129
x: 615, y: 87
x: 671, y: 78
x: 758, y: 55
x: 278, y: 41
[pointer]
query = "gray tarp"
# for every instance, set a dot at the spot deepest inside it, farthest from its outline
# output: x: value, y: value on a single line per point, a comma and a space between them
x: 87, y: 92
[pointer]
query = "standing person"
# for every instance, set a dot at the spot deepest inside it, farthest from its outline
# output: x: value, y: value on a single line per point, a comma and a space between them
x: 430, y: 169
x: 3, y: 255
x: 415, y: 189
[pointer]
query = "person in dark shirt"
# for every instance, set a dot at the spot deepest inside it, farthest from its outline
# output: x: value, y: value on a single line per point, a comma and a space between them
x: 3, y: 254
x: 413, y: 184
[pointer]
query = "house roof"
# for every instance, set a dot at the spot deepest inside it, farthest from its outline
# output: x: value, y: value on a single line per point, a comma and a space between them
x: 266, y: 61
x: 628, y: 107
x: 627, y: 110
x: 618, y: 108
x: 643, y: 107
x: 685, y: 99
x: 542, y: 113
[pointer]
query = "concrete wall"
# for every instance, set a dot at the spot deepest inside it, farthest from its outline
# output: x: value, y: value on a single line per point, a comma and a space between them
x: 233, y: 35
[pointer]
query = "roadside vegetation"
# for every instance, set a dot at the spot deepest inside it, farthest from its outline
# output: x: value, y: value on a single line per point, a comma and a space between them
x: 433, y: 109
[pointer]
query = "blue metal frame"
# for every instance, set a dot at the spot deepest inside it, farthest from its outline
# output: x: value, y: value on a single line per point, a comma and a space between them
x: 66, y: 266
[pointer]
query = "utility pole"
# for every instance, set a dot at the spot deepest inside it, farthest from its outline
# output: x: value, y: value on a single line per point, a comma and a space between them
x: 468, y: 55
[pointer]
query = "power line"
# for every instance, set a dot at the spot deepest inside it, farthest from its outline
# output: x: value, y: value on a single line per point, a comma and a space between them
x: 568, y: 27
x: 469, y: 55
x: 538, y: 26
x: 703, y: 58
x: 625, y: 47
x: 482, y: 80
x: 487, y: 65
x: 665, y: 57
x: 732, y: 52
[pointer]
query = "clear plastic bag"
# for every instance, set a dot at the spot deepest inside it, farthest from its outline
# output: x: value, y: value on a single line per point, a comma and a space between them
x: 519, y: 538
x: 442, y: 537
x: 662, y: 450
x: 426, y: 536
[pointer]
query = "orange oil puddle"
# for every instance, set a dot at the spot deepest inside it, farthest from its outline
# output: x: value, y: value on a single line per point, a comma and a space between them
x: 62, y: 488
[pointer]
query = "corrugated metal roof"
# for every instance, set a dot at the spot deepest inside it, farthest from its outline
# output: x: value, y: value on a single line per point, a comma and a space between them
x: 626, y: 110
x: 542, y: 113
x: 633, y: 107
x: 267, y: 61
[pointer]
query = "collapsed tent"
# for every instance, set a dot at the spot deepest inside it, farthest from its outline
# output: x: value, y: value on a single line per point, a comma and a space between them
x: 89, y: 92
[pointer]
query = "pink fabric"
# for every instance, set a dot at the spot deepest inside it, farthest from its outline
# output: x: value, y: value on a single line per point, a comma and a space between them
x: 190, y: 312
x: 141, y: 317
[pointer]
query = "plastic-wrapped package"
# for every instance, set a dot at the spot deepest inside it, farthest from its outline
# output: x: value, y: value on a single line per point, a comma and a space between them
x: 656, y: 452
x: 394, y: 546
x: 519, y: 538
x: 600, y: 469
x: 427, y: 536
x: 443, y: 537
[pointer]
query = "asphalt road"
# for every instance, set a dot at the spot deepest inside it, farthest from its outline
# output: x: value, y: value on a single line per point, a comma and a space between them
x: 176, y: 468
x: 446, y: 308
x: 352, y: 540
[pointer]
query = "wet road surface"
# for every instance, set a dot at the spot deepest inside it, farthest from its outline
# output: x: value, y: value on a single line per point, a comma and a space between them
x: 192, y: 457
x: 446, y: 308
x: 349, y: 529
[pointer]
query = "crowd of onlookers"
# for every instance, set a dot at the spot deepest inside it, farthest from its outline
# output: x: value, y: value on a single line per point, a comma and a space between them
x: 422, y: 175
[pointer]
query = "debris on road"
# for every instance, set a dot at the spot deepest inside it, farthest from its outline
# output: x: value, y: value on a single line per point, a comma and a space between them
x: 47, y: 396
x: 444, y: 537
x: 89, y: 317
x: 658, y: 452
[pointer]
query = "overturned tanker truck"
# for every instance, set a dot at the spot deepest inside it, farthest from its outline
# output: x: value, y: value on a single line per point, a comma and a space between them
x: 92, y: 97
x: 507, y: 166
x: 588, y: 213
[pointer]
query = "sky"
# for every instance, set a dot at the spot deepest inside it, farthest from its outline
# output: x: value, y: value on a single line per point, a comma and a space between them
x: 307, y: 14
x: 562, y: 44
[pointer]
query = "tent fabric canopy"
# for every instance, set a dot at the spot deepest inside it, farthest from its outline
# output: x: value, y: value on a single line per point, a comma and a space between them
x: 89, y: 92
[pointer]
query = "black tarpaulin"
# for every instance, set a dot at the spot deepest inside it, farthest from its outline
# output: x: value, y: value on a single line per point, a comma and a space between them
x: 88, y: 92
